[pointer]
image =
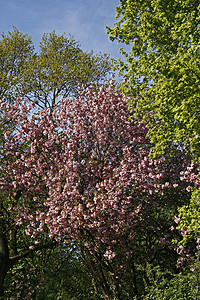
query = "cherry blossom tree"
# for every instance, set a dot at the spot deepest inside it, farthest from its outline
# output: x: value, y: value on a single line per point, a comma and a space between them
x: 82, y: 173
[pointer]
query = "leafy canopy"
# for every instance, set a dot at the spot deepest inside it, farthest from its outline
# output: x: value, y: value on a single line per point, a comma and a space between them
x: 15, y: 50
x: 52, y: 73
x: 162, y: 68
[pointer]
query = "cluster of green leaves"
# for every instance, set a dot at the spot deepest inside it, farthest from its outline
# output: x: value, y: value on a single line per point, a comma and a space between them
x: 168, y: 286
x: 51, y: 74
x: 50, y: 274
x: 162, y: 68
x: 15, y: 50
x: 190, y: 218
x: 68, y: 278
x: 59, y: 67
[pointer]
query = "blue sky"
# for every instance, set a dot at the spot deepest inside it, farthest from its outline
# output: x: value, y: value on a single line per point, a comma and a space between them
x: 84, y: 19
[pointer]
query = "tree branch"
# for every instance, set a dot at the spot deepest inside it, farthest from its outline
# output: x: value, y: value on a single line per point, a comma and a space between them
x: 15, y: 258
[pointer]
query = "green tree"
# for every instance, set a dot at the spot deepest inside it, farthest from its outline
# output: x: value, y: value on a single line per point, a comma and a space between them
x: 15, y: 50
x: 190, y: 219
x: 59, y: 67
x: 163, y: 78
x: 189, y: 226
x: 51, y: 74
x: 162, y: 68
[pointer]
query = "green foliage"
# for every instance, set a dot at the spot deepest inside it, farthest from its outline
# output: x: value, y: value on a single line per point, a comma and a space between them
x: 26, y: 277
x: 50, y: 75
x: 67, y: 280
x: 162, y: 82
x: 180, y: 286
x: 15, y: 50
x: 59, y: 67
x: 162, y: 68
x: 190, y: 218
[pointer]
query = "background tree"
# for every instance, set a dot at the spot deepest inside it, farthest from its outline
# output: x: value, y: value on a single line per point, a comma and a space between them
x: 162, y: 68
x: 69, y: 278
x: 59, y: 67
x: 52, y: 73
x: 15, y: 50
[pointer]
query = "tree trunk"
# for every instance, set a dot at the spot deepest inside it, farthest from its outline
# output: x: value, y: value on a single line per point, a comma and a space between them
x: 4, y: 261
x: 134, y: 279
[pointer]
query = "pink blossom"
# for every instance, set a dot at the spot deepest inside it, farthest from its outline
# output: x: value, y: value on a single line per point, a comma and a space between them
x: 109, y: 254
x: 177, y: 220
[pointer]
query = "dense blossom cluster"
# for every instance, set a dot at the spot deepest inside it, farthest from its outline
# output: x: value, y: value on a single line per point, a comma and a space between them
x: 83, y: 171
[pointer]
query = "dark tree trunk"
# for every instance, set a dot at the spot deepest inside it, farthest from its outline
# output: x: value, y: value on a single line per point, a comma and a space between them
x: 4, y: 261
x: 134, y: 279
